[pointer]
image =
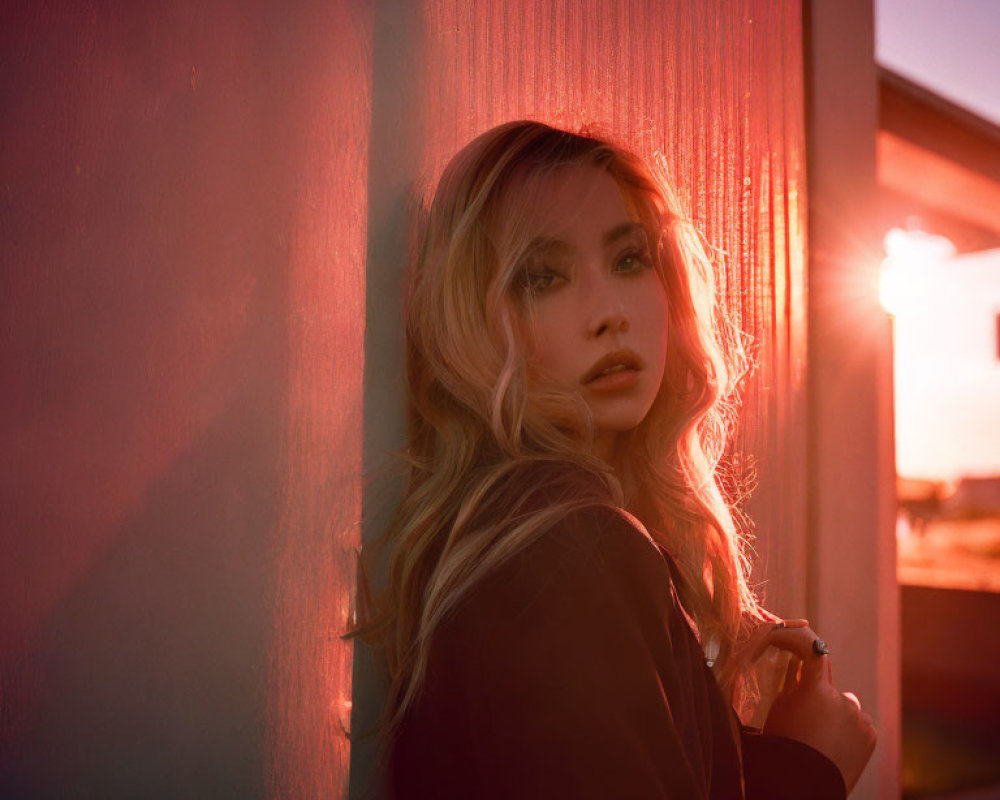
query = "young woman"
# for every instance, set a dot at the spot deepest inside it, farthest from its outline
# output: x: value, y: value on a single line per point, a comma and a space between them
x: 567, y: 612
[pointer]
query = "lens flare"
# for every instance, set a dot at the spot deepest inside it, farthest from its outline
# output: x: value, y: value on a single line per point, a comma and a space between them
x: 907, y: 271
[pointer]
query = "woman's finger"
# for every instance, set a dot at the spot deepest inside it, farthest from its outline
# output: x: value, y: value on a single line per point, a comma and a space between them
x: 791, y: 674
x: 761, y: 639
x: 801, y: 641
x: 815, y: 669
x: 797, y: 638
x: 804, y: 643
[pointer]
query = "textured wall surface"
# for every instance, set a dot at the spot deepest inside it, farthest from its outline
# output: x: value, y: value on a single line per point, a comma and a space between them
x: 183, y: 225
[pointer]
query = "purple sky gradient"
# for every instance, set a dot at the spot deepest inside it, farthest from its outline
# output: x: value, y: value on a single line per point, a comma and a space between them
x: 951, y: 47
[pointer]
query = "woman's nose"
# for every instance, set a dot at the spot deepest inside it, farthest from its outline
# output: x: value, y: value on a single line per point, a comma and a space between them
x: 609, y: 316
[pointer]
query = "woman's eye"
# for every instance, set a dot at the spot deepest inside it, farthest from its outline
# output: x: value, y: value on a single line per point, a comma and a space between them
x: 537, y: 282
x: 633, y: 261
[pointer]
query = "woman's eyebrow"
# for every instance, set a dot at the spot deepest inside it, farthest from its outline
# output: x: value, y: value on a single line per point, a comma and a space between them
x: 623, y: 231
x: 547, y: 246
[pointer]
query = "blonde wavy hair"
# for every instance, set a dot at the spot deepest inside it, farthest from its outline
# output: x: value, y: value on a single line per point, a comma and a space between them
x: 494, y: 461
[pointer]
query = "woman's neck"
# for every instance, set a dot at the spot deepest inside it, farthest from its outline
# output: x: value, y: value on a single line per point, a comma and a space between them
x: 613, y: 449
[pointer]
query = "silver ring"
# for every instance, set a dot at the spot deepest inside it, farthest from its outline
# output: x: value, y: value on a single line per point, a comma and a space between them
x: 820, y: 648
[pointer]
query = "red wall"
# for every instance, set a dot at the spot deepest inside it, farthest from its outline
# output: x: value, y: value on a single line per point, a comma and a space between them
x: 182, y: 195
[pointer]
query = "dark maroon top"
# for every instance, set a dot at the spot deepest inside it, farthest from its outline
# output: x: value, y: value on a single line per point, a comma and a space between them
x: 571, y: 672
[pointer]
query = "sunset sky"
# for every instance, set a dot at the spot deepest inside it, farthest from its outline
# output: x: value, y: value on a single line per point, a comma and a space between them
x: 949, y: 46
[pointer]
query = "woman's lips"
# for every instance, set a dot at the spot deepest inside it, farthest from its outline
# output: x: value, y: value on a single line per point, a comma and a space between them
x: 616, y: 381
x: 614, y: 372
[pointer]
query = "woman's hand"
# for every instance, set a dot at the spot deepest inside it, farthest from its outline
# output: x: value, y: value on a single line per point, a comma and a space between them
x: 810, y: 709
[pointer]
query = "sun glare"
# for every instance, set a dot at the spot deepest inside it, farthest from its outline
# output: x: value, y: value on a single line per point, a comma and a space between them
x: 907, y: 276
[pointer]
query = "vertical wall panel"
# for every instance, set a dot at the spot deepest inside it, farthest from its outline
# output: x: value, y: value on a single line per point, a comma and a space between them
x: 715, y: 89
x: 318, y: 531
x: 851, y: 468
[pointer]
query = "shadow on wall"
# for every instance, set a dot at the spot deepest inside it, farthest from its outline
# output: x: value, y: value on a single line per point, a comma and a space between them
x: 150, y: 674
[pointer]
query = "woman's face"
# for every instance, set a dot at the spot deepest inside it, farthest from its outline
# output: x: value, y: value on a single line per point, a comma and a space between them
x: 598, y: 318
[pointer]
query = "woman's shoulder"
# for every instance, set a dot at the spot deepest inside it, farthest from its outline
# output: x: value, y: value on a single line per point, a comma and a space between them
x: 590, y: 562
x: 596, y: 528
x: 552, y: 511
x: 594, y: 537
